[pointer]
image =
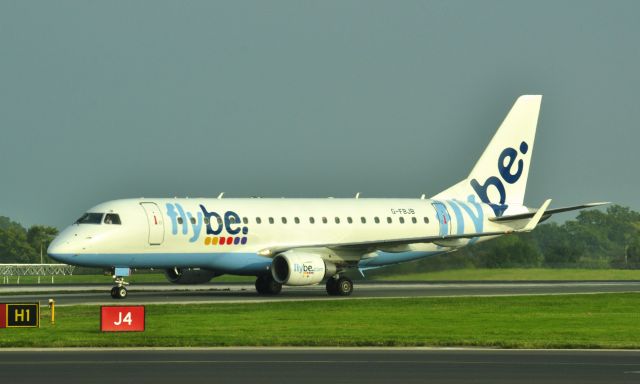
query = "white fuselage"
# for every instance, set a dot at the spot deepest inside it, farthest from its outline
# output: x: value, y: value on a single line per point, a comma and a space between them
x: 228, y: 235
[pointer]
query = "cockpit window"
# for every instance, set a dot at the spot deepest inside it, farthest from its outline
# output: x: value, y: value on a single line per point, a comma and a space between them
x: 90, y: 218
x: 112, y: 218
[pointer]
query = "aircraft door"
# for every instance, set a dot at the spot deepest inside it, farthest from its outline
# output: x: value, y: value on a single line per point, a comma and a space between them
x: 156, y: 224
x: 444, y: 218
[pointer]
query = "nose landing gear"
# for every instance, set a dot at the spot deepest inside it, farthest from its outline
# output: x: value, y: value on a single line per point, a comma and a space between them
x: 120, y: 290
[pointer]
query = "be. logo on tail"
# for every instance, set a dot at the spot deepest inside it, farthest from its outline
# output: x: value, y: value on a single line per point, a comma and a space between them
x: 506, y: 162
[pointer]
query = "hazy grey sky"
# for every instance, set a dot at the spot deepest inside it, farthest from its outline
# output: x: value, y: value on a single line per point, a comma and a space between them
x: 109, y: 99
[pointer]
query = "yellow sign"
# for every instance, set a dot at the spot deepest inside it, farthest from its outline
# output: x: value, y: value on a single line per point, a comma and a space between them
x: 23, y: 315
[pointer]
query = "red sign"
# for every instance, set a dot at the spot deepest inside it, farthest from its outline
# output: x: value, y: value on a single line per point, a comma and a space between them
x: 122, y: 319
x: 3, y: 315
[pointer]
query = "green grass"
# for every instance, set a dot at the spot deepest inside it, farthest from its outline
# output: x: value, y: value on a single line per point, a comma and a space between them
x: 519, y: 274
x: 569, y: 321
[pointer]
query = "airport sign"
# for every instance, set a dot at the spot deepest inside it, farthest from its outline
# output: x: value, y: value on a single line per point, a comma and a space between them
x: 20, y: 315
x: 122, y: 318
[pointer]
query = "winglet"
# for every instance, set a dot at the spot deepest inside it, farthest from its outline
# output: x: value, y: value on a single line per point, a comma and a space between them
x: 536, y: 218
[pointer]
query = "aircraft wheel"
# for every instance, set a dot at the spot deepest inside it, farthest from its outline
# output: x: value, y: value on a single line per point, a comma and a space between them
x: 273, y: 287
x: 344, y: 286
x: 261, y: 285
x: 121, y: 292
x: 114, y: 292
x: 332, y: 286
x: 266, y: 285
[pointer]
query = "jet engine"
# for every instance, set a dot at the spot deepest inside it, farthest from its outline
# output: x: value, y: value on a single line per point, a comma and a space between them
x: 189, y: 275
x: 300, y: 268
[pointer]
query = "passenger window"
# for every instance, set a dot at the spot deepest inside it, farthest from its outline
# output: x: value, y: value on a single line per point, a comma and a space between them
x: 337, y: 220
x: 376, y: 219
x: 245, y: 220
x: 296, y: 220
x: 284, y: 220
x: 426, y: 220
x: 312, y: 220
x: 401, y: 220
x: 258, y: 220
x: 364, y: 220
x: 232, y: 220
x: 192, y: 220
x: 271, y: 221
x: 179, y: 220
x: 414, y: 220
x: 324, y: 220
x: 349, y: 220
x: 389, y: 220
x: 219, y: 220
x: 112, y: 218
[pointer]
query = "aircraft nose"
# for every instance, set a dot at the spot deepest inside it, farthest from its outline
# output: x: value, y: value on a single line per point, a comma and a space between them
x: 59, y: 249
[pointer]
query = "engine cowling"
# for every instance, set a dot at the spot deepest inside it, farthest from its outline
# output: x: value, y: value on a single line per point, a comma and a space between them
x: 189, y: 275
x: 300, y: 268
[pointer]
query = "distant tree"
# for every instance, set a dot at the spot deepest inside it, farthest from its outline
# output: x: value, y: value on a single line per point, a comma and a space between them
x: 39, y: 237
x: 6, y: 222
x: 604, y: 237
x: 18, y: 245
x: 556, y: 245
x: 509, y: 251
x: 633, y: 254
x: 14, y: 247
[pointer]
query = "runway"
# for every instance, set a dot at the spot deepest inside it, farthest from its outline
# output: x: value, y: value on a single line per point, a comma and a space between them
x: 228, y: 293
x: 323, y: 366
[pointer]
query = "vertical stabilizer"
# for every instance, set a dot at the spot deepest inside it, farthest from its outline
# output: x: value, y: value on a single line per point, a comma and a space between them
x: 500, y: 175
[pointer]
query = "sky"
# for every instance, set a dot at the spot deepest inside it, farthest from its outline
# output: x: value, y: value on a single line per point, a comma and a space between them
x: 101, y: 100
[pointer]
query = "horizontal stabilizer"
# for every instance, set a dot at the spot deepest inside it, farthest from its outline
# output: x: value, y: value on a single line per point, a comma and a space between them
x: 547, y: 212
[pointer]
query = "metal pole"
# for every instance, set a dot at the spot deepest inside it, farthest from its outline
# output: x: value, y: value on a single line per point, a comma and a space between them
x: 52, y: 305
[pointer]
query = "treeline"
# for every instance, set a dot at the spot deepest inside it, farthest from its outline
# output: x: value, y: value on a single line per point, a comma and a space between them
x: 21, y: 245
x: 595, y: 239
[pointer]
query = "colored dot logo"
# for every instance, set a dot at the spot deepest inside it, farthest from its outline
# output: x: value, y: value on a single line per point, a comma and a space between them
x: 225, y: 240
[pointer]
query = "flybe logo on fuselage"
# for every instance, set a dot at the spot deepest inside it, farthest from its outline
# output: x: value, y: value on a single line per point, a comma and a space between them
x: 507, y: 174
x: 221, y: 229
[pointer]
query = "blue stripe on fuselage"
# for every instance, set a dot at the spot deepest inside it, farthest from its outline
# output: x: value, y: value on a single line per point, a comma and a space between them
x: 233, y: 263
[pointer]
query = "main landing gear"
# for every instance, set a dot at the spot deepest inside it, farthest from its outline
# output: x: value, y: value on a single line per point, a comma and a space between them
x: 339, y: 286
x: 266, y: 285
x: 120, y: 290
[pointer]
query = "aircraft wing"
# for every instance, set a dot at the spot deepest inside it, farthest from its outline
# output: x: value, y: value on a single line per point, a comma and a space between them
x: 376, y: 244
x: 547, y: 213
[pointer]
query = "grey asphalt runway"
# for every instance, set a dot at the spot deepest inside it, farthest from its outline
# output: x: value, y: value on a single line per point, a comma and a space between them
x: 214, y: 293
x: 319, y: 366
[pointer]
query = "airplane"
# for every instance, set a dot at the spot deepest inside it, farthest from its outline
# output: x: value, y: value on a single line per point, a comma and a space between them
x: 306, y: 241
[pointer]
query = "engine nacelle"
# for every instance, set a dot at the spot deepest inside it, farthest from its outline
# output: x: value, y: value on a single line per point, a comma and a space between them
x: 300, y: 268
x: 189, y: 275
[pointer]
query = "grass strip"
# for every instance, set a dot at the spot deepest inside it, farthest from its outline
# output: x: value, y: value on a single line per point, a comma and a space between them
x: 567, y: 321
x: 518, y: 274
